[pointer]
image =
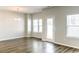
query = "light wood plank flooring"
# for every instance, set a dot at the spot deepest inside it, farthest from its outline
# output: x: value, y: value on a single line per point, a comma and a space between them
x: 33, y: 45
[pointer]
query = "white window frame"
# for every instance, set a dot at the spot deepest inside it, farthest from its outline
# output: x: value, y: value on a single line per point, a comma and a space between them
x: 40, y: 25
x: 35, y: 26
x: 74, y: 25
x: 52, y: 37
x: 38, y: 21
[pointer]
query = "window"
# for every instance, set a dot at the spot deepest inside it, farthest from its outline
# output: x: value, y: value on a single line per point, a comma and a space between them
x: 40, y: 25
x: 49, y: 28
x: 35, y: 25
x: 73, y: 26
x: 29, y: 25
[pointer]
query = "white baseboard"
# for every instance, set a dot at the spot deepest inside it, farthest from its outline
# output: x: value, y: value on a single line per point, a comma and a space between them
x: 10, y: 38
x: 62, y: 44
x: 66, y: 45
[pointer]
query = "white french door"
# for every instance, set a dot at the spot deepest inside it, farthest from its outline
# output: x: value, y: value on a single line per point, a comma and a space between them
x: 50, y: 29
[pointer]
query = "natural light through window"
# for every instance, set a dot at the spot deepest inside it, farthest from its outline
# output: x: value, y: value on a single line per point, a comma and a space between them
x: 35, y: 25
x: 40, y: 25
x: 29, y: 25
x: 50, y: 28
x: 73, y: 26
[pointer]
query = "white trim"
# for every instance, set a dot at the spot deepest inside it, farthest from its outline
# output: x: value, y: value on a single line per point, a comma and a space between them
x: 66, y: 45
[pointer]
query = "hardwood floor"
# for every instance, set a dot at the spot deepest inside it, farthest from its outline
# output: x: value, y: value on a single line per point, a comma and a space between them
x: 33, y: 45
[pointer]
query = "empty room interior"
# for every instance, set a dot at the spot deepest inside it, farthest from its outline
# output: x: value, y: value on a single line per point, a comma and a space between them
x: 39, y: 29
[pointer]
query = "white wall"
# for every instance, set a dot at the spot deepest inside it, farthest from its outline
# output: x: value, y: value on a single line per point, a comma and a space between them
x: 11, y: 25
x: 60, y: 24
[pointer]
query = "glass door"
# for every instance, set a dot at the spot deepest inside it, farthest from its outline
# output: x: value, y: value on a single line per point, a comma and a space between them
x: 49, y: 28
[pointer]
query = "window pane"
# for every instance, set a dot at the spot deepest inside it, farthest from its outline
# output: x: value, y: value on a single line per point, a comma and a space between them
x: 73, y: 20
x: 73, y: 32
x: 35, y: 25
x: 29, y: 25
x: 50, y: 28
x: 73, y: 26
x: 40, y: 25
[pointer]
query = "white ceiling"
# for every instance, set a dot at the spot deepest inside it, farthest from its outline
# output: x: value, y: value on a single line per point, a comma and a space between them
x: 23, y: 9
